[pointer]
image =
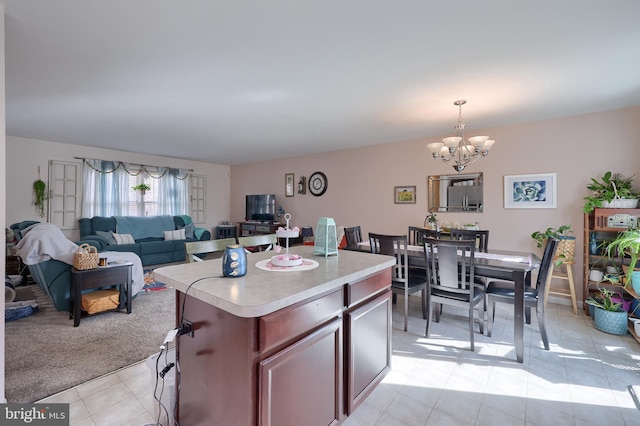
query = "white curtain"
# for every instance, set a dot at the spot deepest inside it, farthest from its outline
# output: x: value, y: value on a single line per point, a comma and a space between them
x: 105, y: 189
x: 173, y: 192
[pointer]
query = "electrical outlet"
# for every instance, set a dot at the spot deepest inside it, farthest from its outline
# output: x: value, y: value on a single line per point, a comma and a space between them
x: 186, y: 328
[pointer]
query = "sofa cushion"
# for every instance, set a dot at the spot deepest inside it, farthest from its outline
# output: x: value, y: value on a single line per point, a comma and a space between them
x: 133, y: 248
x: 189, y: 230
x: 123, y: 239
x: 101, y: 223
x: 108, y: 236
x: 145, y: 226
x: 178, y: 234
x: 156, y: 247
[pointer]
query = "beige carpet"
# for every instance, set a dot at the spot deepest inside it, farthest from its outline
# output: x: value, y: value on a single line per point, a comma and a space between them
x: 45, y: 354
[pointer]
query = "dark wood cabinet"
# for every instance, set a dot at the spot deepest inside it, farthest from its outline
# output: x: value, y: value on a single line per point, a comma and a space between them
x: 303, y: 383
x: 290, y: 367
x: 369, y: 352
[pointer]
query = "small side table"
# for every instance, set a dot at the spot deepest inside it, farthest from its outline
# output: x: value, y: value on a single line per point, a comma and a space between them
x: 103, y: 276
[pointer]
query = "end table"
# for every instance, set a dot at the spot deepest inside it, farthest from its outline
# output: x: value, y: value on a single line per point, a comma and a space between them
x: 103, y: 276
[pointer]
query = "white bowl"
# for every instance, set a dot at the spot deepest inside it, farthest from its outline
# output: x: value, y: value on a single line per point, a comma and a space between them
x: 636, y: 325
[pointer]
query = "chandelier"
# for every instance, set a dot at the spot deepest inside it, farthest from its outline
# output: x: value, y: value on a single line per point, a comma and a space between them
x: 458, y: 152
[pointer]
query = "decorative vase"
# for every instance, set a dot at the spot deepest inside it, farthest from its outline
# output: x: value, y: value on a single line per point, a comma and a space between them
x: 610, y: 322
x: 635, y: 281
x: 234, y: 261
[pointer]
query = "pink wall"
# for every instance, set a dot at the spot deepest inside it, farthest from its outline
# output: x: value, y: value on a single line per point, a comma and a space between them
x: 361, y: 181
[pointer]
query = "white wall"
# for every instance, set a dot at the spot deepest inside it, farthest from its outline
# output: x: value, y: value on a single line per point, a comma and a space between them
x: 25, y: 155
x: 361, y: 181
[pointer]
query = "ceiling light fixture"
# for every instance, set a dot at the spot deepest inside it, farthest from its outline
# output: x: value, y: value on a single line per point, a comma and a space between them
x: 458, y: 152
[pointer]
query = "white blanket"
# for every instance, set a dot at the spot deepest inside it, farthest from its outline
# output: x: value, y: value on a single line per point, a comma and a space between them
x: 137, y: 273
x: 45, y: 241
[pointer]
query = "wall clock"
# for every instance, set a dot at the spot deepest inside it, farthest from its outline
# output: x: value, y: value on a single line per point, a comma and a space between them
x: 318, y: 183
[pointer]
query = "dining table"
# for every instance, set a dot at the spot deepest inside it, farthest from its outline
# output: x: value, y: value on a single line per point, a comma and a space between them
x: 515, y: 266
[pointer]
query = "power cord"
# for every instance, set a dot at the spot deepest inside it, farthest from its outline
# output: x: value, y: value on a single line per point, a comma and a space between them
x: 185, y: 327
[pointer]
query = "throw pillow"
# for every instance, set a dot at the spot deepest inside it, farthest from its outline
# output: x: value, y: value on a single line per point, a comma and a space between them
x: 124, y: 239
x: 178, y: 234
x: 107, y: 235
x: 189, y: 230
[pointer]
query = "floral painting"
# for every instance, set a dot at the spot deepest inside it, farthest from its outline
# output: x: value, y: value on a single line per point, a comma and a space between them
x: 530, y: 191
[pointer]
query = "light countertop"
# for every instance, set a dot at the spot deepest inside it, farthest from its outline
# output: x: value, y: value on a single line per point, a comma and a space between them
x: 261, y: 292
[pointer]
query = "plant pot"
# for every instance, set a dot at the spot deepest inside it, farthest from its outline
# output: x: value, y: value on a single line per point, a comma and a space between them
x: 565, y: 249
x: 620, y: 203
x: 610, y: 322
x: 596, y: 275
x: 624, y: 304
x: 635, y: 281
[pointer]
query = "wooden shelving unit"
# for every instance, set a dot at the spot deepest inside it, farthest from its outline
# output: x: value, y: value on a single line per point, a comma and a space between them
x: 598, y: 222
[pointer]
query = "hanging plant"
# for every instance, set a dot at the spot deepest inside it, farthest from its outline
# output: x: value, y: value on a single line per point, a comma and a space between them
x: 39, y: 194
x: 143, y: 188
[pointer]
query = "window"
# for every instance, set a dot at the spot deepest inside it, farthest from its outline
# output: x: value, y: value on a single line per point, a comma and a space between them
x: 198, y: 200
x: 108, y: 190
x: 143, y: 202
x: 64, y: 193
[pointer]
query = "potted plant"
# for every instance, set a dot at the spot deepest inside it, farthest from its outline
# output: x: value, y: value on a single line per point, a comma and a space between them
x: 612, y: 191
x: 607, y: 315
x: 627, y: 243
x: 143, y: 188
x: 566, y: 242
x: 431, y: 221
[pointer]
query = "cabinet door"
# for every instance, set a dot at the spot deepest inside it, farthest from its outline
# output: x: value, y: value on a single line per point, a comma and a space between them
x: 369, y: 348
x: 302, y: 384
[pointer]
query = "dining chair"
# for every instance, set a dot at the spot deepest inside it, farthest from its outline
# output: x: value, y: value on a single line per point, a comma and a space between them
x: 450, y: 278
x: 262, y: 242
x: 193, y: 248
x: 403, y: 280
x: 504, y: 291
x: 353, y: 235
x: 481, y: 237
x: 415, y: 235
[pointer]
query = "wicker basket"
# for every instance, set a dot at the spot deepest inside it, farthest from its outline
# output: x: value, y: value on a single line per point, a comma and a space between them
x: 100, y: 301
x: 566, y: 247
x: 85, y: 258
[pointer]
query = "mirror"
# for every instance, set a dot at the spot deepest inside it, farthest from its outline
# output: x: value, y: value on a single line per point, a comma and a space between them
x: 455, y: 193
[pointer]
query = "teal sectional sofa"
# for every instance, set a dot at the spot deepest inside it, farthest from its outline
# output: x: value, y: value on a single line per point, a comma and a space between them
x: 148, y: 234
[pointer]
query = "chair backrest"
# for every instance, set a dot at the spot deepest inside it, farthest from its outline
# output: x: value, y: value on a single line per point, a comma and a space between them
x: 450, y: 264
x: 353, y: 234
x: 481, y: 237
x: 416, y: 235
x: 544, y: 277
x: 392, y: 245
x: 209, y: 246
x: 264, y: 242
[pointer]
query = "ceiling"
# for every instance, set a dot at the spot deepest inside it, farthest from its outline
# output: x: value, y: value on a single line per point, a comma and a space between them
x: 235, y: 82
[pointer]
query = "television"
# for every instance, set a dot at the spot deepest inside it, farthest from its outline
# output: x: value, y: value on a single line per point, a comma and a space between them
x: 261, y: 208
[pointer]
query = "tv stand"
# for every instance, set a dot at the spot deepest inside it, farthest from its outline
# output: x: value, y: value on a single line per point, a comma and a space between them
x: 250, y: 228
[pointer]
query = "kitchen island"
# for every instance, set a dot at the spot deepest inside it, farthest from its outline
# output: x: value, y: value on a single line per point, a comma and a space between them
x: 281, y: 347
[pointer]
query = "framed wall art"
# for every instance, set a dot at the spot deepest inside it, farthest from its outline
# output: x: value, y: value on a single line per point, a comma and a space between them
x: 404, y: 194
x: 289, y: 184
x: 536, y: 191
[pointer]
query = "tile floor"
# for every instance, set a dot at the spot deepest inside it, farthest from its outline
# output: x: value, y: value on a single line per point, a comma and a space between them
x: 582, y: 380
